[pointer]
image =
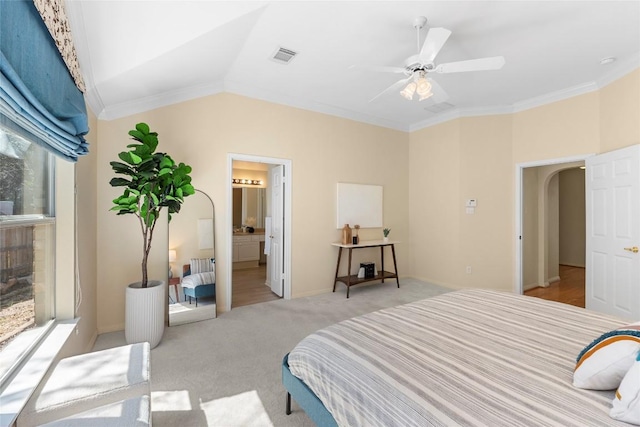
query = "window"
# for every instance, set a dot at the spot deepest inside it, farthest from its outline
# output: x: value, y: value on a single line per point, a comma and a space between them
x: 27, y: 247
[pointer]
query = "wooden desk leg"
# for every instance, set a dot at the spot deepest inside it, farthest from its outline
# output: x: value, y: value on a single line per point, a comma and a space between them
x: 395, y: 266
x: 175, y: 285
x: 382, y: 262
x: 337, y: 269
x: 349, y: 274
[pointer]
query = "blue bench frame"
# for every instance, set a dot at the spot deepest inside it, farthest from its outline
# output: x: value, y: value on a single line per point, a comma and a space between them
x: 306, y: 398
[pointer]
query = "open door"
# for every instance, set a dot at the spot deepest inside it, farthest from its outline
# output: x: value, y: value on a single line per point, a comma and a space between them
x: 276, y: 279
x: 613, y: 232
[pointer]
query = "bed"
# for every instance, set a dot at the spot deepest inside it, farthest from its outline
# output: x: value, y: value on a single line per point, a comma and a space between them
x: 469, y: 358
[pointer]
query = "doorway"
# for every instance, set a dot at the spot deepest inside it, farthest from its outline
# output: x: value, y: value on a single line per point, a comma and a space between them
x: 259, y: 252
x: 550, y: 230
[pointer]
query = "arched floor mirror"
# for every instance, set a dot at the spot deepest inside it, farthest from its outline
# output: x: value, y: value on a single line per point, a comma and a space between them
x: 192, y: 268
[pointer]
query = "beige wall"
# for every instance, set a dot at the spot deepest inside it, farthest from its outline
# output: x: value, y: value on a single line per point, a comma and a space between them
x: 86, y: 218
x: 477, y: 157
x: 530, y: 228
x: 542, y: 201
x: 323, y: 149
x: 427, y: 175
x: 551, y: 228
x: 572, y: 218
x: 463, y: 159
x: 620, y: 113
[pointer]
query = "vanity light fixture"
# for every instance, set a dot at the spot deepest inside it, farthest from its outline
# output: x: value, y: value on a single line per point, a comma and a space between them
x: 247, y: 181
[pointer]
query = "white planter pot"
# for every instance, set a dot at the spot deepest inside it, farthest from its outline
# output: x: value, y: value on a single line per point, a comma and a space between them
x: 385, y: 239
x: 145, y: 312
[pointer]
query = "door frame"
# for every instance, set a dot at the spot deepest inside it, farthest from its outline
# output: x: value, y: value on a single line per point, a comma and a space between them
x: 286, y: 261
x: 517, y: 282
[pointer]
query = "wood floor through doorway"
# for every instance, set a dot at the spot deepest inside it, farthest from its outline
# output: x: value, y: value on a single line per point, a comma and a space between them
x: 570, y: 288
x: 249, y: 287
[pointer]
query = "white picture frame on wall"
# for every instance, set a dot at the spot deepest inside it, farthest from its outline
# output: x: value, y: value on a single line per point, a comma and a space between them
x: 359, y: 204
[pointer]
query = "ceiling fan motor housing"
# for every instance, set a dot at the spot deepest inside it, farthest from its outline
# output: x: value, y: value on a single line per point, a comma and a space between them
x: 419, y: 22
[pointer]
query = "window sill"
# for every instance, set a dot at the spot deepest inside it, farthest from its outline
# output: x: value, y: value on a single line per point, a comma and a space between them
x: 17, y: 392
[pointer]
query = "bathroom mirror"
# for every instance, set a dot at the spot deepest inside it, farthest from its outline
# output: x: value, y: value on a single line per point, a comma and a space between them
x: 191, y: 236
x: 249, y: 202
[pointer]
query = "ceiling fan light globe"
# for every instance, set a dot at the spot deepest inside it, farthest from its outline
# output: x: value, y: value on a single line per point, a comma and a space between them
x: 423, y: 87
x: 408, y: 91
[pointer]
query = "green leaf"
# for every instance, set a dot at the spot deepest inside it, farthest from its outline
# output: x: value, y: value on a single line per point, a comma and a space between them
x: 119, y: 182
x: 166, y: 162
x: 151, y: 141
x: 142, y: 150
x: 135, y: 158
x: 179, y: 193
x: 164, y: 171
x: 143, y: 127
x: 188, y: 189
x: 137, y: 135
x: 125, y: 156
x: 121, y: 168
x: 155, y: 199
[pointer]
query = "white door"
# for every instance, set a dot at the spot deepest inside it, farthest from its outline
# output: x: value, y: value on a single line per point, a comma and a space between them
x: 277, y: 226
x: 613, y: 233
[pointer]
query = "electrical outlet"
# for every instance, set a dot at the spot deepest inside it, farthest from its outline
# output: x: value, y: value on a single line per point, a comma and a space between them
x: 468, y: 269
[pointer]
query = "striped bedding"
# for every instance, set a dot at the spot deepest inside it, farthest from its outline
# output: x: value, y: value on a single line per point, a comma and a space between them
x: 469, y: 358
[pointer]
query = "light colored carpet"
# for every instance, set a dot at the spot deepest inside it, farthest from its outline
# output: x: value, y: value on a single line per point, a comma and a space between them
x: 227, y: 371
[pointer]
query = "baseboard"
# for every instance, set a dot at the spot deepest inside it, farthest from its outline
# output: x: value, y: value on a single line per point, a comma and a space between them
x: 554, y: 279
x: 113, y: 328
x: 92, y: 342
x: 568, y: 264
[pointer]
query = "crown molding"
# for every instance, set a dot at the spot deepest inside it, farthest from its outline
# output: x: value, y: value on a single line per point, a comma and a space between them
x: 168, y: 98
x: 620, y: 71
x: 318, y: 107
x: 160, y: 100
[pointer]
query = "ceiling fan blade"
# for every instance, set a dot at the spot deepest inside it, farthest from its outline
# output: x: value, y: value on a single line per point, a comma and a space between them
x: 396, y: 86
x: 436, y: 37
x: 439, y: 94
x: 379, y: 68
x: 482, y: 64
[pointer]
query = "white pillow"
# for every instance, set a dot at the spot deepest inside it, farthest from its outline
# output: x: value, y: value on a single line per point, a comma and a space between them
x: 602, y: 364
x: 626, y: 404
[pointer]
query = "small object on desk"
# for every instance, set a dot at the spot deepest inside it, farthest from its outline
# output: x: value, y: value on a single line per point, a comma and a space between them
x: 369, y: 269
x: 346, y: 235
x: 354, y: 239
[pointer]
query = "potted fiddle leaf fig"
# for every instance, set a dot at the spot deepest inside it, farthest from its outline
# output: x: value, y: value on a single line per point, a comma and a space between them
x: 151, y: 181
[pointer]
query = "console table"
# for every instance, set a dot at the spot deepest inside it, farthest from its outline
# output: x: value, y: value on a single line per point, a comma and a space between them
x: 351, y: 279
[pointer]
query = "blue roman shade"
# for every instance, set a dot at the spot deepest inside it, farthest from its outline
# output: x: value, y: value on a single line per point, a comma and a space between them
x: 38, y: 97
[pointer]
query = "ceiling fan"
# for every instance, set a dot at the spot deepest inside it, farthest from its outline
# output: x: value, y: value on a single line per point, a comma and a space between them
x: 418, y: 66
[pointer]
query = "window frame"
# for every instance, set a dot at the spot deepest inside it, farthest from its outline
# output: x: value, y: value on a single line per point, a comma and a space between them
x: 47, y: 219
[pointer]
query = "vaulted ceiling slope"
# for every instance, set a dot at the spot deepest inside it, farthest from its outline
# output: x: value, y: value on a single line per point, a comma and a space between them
x: 140, y: 55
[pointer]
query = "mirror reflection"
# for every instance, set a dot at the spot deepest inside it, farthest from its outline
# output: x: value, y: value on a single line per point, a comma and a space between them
x: 249, y: 207
x: 192, y: 275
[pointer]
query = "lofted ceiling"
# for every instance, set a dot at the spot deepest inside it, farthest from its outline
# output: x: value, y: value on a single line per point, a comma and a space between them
x: 140, y: 55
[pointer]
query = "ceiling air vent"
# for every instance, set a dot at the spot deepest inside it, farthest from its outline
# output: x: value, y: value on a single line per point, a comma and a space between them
x: 284, y: 56
x: 439, y: 108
